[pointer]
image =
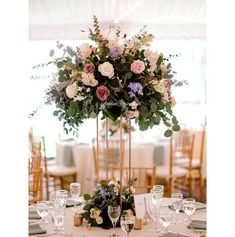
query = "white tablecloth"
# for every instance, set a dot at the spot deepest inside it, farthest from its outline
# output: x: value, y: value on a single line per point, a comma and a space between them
x: 82, y: 231
x: 141, y: 155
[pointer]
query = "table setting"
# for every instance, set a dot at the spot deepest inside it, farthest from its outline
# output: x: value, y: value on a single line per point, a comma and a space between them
x: 167, y: 217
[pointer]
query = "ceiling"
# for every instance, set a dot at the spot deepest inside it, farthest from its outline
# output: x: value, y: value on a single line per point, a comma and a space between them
x: 64, y: 19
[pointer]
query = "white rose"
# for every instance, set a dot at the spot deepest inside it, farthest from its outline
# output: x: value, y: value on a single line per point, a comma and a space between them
x: 147, y: 52
x: 133, y: 105
x: 153, y: 58
x: 106, y: 69
x: 163, y: 69
x: 99, y: 220
x: 85, y: 50
x: 71, y: 90
x: 79, y: 98
x: 111, y: 182
x: 153, y: 67
x: 89, y: 79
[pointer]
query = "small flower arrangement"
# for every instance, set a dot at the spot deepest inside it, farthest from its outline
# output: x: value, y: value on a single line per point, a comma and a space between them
x: 115, y: 77
x: 95, y: 210
x: 114, y: 126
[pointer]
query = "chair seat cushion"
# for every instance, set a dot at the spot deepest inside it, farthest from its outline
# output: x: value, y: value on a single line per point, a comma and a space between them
x: 164, y: 171
x: 185, y: 163
x: 60, y: 170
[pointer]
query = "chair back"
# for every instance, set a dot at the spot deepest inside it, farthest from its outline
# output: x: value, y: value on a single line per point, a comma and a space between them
x: 35, y: 185
x: 146, y: 176
x: 181, y: 149
x: 107, y: 153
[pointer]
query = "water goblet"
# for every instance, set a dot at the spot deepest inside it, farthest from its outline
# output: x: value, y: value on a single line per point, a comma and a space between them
x: 61, y: 199
x: 75, y: 189
x: 177, y: 202
x: 157, y: 193
x: 43, y: 210
x: 189, y: 206
x: 127, y: 224
x: 58, y: 220
x: 114, y: 213
x: 165, y: 218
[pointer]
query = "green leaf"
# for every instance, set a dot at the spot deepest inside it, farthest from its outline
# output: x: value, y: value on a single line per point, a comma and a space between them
x: 51, y: 53
x: 128, y: 75
x: 143, y: 125
x: 168, y: 133
x: 153, y: 107
x: 56, y: 113
x: 87, y: 197
x: 174, y: 120
x: 176, y: 128
x: 86, y: 215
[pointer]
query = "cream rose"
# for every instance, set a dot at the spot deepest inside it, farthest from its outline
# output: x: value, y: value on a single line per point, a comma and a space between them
x: 163, y: 68
x: 172, y: 101
x: 99, y: 220
x: 89, y: 79
x: 133, y: 105
x: 85, y: 50
x: 133, y: 114
x: 159, y: 86
x: 106, y: 69
x: 79, y: 98
x: 137, y: 66
x: 71, y: 90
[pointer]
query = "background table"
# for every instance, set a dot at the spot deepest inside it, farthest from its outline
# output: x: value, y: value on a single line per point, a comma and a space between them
x: 80, y: 155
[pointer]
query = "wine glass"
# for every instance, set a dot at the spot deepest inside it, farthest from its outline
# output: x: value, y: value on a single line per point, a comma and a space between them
x: 165, y: 218
x: 75, y: 189
x: 43, y: 210
x: 189, y: 206
x: 127, y: 224
x: 60, y: 199
x: 177, y: 202
x: 114, y: 213
x: 157, y: 193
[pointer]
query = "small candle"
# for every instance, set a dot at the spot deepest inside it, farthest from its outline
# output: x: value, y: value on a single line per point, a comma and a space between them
x: 78, y: 219
x: 138, y: 224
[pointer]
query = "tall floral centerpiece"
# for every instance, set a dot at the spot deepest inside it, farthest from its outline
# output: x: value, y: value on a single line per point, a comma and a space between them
x: 115, y: 77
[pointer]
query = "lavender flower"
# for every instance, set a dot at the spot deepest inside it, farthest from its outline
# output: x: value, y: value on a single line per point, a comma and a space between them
x: 115, y: 52
x: 136, y: 88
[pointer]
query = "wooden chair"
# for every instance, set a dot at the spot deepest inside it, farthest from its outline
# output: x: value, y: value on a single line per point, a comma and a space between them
x: 146, y: 176
x: 35, y: 189
x: 105, y: 158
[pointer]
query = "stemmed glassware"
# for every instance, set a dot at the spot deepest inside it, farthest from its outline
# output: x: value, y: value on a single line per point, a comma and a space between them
x: 157, y: 193
x: 114, y: 213
x: 153, y: 212
x: 75, y: 189
x: 189, y: 206
x: 127, y: 224
x: 43, y: 210
x: 165, y: 218
x: 177, y: 203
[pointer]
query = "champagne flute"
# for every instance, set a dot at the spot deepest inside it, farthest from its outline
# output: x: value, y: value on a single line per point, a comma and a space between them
x: 127, y: 224
x: 189, y: 206
x: 114, y: 213
x: 43, y: 210
x: 165, y: 218
x: 153, y: 212
x: 177, y: 202
x: 75, y: 189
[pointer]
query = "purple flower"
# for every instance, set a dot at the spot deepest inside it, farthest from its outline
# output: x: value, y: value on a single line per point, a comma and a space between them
x: 115, y: 52
x: 136, y: 88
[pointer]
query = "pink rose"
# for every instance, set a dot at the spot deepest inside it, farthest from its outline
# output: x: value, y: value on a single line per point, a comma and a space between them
x: 169, y: 84
x: 172, y: 101
x: 102, y: 92
x: 137, y: 66
x: 88, y: 68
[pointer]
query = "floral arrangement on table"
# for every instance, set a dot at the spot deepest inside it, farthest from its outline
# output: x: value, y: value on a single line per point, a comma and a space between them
x: 114, y: 126
x: 95, y: 210
x: 115, y: 77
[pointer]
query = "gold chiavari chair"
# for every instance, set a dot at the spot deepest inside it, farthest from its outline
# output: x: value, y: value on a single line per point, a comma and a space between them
x: 105, y: 157
x: 35, y: 188
x: 146, y: 176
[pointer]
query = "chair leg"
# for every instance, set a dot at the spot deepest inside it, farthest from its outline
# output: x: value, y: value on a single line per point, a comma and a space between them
x: 190, y: 185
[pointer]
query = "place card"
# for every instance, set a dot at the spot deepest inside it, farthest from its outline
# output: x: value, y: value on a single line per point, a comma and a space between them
x: 139, y: 204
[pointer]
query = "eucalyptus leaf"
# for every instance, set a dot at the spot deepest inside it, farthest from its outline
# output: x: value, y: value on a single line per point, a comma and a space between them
x: 168, y: 133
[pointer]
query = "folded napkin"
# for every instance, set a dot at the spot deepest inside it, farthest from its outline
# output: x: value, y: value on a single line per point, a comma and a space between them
x: 70, y: 202
x: 199, y: 206
x: 197, y: 224
x: 33, y: 214
x: 169, y: 234
x: 35, y: 229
